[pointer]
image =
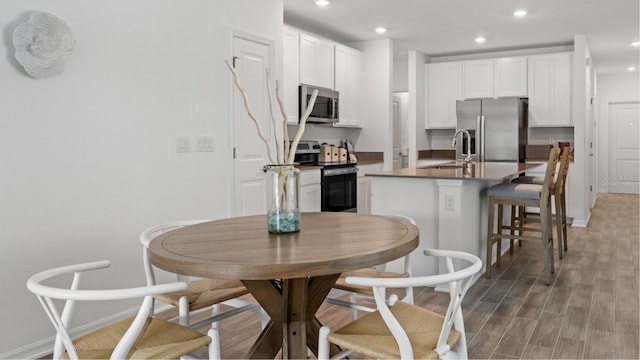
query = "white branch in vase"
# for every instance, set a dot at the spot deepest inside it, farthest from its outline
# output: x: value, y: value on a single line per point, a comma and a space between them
x: 249, y: 112
x: 301, y: 126
x: 273, y: 120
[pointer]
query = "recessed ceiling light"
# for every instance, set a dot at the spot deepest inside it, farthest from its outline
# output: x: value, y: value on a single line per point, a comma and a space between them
x: 631, y: 68
x: 520, y: 13
x: 322, y: 2
x: 635, y: 43
x: 480, y: 39
x: 381, y: 30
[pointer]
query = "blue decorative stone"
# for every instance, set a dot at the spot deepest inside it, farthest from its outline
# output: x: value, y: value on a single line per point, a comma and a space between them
x: 284, y: 222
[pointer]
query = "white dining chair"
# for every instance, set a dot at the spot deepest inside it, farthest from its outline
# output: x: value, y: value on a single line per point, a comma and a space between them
x: 141, y: 336
x: 201, y: 294
x: 358, y: 292
x: 399, y: 330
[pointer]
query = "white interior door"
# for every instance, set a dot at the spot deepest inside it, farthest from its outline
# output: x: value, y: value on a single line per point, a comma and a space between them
x: 624, y: 148
x: 251, y: 59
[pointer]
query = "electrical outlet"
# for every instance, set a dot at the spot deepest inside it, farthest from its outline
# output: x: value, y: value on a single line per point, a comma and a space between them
x: 449, y: 203
x: 183, y: 144
x: 204, y: 143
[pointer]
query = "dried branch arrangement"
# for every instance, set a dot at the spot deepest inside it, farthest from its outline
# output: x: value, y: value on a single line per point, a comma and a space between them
x: 289, y: 146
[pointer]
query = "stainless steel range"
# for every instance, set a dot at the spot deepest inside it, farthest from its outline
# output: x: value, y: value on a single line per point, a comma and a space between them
x: 339, y: 180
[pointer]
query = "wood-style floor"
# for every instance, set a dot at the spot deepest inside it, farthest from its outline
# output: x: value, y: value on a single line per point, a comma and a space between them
x: 590, y: 311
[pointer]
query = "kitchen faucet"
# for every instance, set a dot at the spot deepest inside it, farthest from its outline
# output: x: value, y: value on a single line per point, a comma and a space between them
x: 467, y: 159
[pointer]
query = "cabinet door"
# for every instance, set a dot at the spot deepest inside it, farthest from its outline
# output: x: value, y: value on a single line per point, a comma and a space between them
x: 309, y: 190
x: 562, y: 89
x: 324, y: 64
x: 310, y: 200
x: 316, y: 61
x: 436, y: 102
x: 347, y: 80
x: 364, y: 195
x: 291, y: 73
x: 510, y: 77
x: 478, y: 79
x: 550, y: 90
x: 444, y: 88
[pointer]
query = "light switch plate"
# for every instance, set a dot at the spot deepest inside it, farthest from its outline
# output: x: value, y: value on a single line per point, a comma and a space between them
x: 183, y: 144
x: 204, y: 143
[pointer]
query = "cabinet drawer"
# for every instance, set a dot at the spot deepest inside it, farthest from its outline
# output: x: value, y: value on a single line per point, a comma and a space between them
x: 308, y: 177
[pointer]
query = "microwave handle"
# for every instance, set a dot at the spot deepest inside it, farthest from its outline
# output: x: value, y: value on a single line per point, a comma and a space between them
x: 334, y: 109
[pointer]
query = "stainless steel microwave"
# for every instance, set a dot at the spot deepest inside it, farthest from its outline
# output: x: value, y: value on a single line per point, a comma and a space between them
x: 325, y: 109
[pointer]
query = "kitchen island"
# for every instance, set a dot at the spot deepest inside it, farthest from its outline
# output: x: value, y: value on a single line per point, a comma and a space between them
x: 448, y: 202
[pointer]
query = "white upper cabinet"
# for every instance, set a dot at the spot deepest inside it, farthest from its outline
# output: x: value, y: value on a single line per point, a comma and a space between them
x: 291, y: 73
x: 510, y: 77
x: 444, y: 87
x: 550, y: 90
x: 347, y: 83
x: 316, y: 61
x: 478, y: 79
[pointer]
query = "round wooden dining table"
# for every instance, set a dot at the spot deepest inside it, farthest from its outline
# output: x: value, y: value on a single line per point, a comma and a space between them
x: 289, y: 275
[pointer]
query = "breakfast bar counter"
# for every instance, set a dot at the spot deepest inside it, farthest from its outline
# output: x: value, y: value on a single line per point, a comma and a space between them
x: 483, y: 171
x: 447, y: 201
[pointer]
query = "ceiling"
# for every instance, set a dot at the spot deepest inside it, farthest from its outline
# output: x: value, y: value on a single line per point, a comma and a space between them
x: 449, y: 27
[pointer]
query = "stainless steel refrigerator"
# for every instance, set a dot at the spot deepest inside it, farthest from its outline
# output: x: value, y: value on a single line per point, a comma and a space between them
x: 498, y: 129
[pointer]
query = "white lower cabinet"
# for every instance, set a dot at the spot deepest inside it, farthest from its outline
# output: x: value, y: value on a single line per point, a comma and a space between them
x: 364, y: 187
x: 309, y: 191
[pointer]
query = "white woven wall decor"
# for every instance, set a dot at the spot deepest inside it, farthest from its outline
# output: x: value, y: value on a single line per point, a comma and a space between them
x: 42, y: 44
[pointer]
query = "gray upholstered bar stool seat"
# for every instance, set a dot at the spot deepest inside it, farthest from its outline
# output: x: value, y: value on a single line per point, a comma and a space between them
x: 558, y: 190
x: 522, y: 195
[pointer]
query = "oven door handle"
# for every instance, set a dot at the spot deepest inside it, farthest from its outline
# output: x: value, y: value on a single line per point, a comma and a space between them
x: 340, y: 171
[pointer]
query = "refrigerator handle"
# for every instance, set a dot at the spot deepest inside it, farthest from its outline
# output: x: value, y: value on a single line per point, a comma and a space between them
x: 478, y: 137
x: 482, y: 137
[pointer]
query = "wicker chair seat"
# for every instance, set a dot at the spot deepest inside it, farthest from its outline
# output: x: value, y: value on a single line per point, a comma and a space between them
x: 203, y: 293
x: 158, y: 339
x: 368, y: 335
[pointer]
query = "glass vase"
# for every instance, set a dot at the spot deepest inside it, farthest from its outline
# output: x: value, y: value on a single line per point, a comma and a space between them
x: 283, y: 215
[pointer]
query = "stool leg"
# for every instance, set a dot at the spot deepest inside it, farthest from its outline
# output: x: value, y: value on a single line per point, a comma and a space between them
x: 550, y: 237
x: 487, y: 273
x: 545, y: 214
x: 499, y: 239
x: 512, y: 230
x: 521, y: 210
x: 558, y: 201
x: 564, y: 219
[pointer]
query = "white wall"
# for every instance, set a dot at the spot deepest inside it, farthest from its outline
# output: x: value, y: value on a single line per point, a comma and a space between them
x: 417, y: 89
x: 401, y: 73
x: 88, y: 158
x: 580, y: 113
x: 611, y: 88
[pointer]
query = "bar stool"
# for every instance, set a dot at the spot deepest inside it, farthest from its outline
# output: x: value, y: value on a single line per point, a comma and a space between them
x: 558, y: 190
x: 531, y: 195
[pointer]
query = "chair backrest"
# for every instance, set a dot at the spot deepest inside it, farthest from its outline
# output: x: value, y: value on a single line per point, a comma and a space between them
x: 459, y: 282
x: 151, y: 233
x: 565, y: 160
x: 549, y: 175
x: 61, y: 320
x: 407, y: 259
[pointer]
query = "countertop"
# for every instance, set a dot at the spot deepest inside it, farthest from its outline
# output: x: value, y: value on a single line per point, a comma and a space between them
x: 481, y: 171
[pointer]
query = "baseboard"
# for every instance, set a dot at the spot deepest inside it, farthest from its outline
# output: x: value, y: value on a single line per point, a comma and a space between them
x: 581, y: 224
x: 44, y: 347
